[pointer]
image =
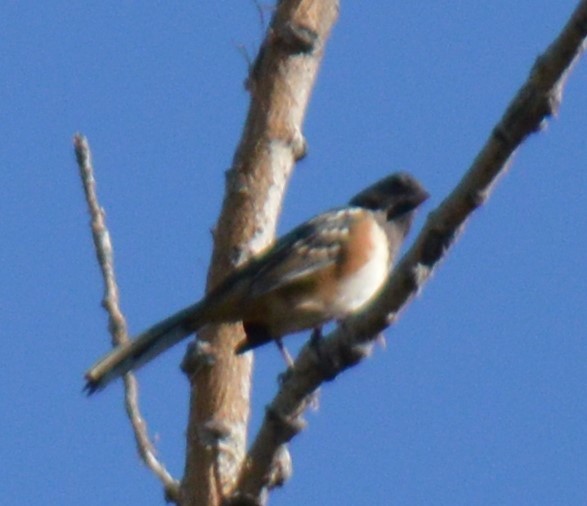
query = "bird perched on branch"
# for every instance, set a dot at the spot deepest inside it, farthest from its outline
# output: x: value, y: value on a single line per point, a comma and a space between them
x: 326, y: 268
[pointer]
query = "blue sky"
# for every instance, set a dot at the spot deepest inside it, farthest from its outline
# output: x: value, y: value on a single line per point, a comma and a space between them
x: 479, y: 396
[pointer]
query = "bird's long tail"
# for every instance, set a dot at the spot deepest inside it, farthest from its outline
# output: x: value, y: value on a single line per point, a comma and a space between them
x: 145, y: 347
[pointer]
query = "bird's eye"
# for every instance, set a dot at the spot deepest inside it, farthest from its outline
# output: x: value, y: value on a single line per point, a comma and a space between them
x: 398, y: 209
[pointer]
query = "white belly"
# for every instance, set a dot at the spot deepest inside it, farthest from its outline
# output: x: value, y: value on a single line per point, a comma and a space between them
x: 364, y: 284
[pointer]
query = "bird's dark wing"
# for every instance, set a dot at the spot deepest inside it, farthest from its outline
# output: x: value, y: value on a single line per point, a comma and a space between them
x: 309, y: 248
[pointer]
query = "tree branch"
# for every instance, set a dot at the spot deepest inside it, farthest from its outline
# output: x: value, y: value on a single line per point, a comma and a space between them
x: 280, y: 83
x: 116, y: 321
x: 350, y: 343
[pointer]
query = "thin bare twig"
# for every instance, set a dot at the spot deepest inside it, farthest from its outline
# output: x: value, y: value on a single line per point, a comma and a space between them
x: 350, y: 343
x: 116, y: 321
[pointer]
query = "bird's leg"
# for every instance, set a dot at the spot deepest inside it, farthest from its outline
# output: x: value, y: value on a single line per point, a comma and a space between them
x: 323, y: 360
x: 316, y: 345
x: 284, y: 376
x: 316, y: 338
x: 284, y: 353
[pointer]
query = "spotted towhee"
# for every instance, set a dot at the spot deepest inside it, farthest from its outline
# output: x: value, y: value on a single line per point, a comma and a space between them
x: 325, y: 269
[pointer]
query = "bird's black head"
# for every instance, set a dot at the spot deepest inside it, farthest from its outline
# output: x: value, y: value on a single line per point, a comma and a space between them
x: 396, y: 196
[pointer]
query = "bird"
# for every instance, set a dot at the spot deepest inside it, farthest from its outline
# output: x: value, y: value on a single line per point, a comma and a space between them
x: 325, y: 269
